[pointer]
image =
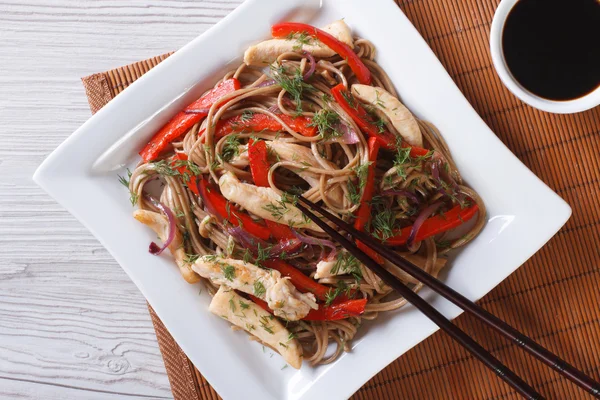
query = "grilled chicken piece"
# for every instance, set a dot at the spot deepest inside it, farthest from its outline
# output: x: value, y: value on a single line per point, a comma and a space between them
x: 268, y: 285
x: 160, y: 225
x: 263, y: 202
x: 400, y: 117
x: 302, y: 154
x: 264, y: 53
x: 234, y: 308
x: 326, y: 269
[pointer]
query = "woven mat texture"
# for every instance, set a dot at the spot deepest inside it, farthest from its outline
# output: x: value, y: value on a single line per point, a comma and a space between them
x: 553, y: 298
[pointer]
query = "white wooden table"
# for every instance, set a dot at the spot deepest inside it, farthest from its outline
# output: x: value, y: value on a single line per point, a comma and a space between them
x: 72, y: 324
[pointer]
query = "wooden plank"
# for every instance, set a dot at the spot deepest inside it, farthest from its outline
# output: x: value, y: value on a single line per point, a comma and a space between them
x: 72, y: 325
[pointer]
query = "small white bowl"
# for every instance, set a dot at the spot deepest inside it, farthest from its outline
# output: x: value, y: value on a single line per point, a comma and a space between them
x: 586, y: 102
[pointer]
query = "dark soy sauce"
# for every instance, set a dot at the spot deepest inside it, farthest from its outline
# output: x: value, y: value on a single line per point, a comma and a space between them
x: 552, y: 47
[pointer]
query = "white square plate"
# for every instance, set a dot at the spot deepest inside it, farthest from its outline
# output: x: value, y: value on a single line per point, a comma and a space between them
x: 523, y: 213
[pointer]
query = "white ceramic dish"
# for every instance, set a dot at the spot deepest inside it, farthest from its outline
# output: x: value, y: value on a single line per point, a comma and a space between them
x: 586, y: 102
x: 81, y: 175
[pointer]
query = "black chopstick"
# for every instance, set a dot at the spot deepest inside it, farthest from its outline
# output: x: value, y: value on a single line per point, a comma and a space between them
x: 434, y: 315
x: 543, y: 354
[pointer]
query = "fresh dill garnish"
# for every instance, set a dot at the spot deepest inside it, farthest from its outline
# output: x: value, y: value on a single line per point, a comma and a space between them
x: 349, y: 99
x: 332, y: 294
x: 133, y: 197
x: 301, y: 38
x: 259, y: 289
x: 326, y: 98
x: 325, y: 120
x: 232, y: 304
x: 401, y: 159
x: 250, y: 327
x: 380, y: 124
x: 210, y: 257
x: 263, y: 253
x: 291, y: 196
x: 189, y: 166
x: 191, y: 258
x: 378, y: 101
x: 246, y: 115
x: 383, y: 223
x: 277, y: 210
x: 164, y: 168
x: 294, y: 85
x: 346, y: 263
x: 243, y: 305
x: 247, y: 257
x: 228, y: 271
x: 231, y: 148
x: 125, y: 181
x: 285, y: 346
x: 264, y: 323
x: 355, y: 188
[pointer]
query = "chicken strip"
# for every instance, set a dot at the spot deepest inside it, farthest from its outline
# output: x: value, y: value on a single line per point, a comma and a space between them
x: 264, y: 53
x: 268, y: 285
x: 234, y: 308
x: 302, y: 154
x: 400, y: 117
x: 264, y: 202
x: 160, y: 225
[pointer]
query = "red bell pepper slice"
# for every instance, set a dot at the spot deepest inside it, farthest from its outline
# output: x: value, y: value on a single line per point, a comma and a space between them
x: 337, y: 311
x: 224, y: 209
x: 299, y: 280
x: 334, y: 312
x: 366, y: 122
x: 259, y: 122
x: 435, y: 225
x: 183, y: 120
x: 363, y: 214
x: 258, y: 155
x: 361, y: 71
x: 192, y: 184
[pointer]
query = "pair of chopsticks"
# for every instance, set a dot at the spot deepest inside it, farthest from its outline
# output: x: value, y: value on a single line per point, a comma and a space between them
x: 543, y: 354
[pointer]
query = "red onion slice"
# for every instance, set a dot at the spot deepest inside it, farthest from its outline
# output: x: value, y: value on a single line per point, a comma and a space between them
x: 246, y: 239
x: 274, y: 109
x: 426, y: 213
x: 251, y: 242
x: 268, y: 82
x: 154, y: 248
x: 318, y: 242
x: 349, y: 135
x: 312, y: 67
x: 403, y: 193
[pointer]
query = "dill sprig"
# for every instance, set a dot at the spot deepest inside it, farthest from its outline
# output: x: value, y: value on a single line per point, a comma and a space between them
x: 294, y: 85
x: 332, y: 294
x: 231, y: 148
x: 346, y: 263
x: 259, y: 289
x: 133, y: 197
x: 355, y: 188
x: 228, y: 271
x: 301, y: 39
x: 325, y: 120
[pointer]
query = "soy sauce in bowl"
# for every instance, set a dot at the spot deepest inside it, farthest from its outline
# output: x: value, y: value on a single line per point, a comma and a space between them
x: 552, y: 47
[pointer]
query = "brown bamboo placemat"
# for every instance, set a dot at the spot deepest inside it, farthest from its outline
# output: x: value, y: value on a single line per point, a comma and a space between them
x: 554, y: 297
